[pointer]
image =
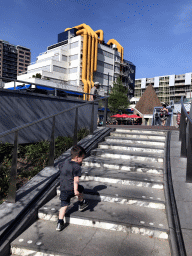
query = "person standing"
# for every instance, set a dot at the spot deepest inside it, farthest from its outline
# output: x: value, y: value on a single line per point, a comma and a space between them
x: 164, y: 114
x: 94, y: 90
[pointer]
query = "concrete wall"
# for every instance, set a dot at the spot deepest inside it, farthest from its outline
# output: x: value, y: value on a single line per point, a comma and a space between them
x: 17, y: 108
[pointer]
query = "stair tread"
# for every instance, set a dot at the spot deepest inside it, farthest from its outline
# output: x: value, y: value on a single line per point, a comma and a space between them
x: 114, y: 143
x: 79, y: 240
x: 134, y: 139
x: 120, y: 214
x: 121, y: 175
x: 126, y: 152
x: 140, y: 131
x: 124, y: 162
x: 118, y: 191
x: 138, y: 134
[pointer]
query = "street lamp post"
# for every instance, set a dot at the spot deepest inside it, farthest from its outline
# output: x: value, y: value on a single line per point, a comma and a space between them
x: 106, y: 104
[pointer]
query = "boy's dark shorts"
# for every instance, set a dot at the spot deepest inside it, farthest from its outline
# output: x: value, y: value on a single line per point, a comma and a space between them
x: 65, y: 195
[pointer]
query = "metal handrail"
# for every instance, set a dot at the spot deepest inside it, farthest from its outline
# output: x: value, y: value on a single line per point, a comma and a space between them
x: 185, y: 136
x: 13, y: 170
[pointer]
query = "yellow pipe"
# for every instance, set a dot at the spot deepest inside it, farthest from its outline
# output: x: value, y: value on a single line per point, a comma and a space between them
x: 119, y: 47
x: 92, y: 60
x: 84, y: 66
x: 93, y: 57
x: 90, y: 51
x: 100, y: 35
x: 89, y: 62
x: 96, y: 52
x: 67, y: 29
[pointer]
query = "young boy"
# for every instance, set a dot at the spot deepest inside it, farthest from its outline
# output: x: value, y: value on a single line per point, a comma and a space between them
x: 70, y: 171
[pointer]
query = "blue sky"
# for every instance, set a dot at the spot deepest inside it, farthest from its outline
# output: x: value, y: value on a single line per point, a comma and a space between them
x: 155, y: 34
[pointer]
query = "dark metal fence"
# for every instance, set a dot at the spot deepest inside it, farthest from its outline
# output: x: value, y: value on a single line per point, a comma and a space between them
x: 185, y: 136
x: 13, y: 171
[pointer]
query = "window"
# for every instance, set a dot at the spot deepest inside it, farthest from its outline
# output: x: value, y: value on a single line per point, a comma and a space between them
x: 21, y: 60
x: 64, y: 58
x: 73, y: 57
x: 21, y: 64
x: 59, y: 69
x: 27, y: 58
x: 27, y: 53
x: 72, y: 70
x: 21, y: 56
x: 27, y: 62
x: 103, y: 76
x: 104, y: 64
x: 105, y: 53
x: 74, y: 45
x: 21, y: 52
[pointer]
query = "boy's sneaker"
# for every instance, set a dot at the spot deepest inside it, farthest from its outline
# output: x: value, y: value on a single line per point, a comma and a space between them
x: 83, y: 205
x: 60, y: 226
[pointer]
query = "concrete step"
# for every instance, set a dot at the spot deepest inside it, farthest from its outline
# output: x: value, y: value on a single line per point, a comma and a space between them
x: 131, y: 147
x: 116, y: 193
x: 42, y: 239
x: 124, y: 165
x: 128, y: 155
x: 122, y: 177
x: 140, y: 131
x: 138, y: 136
x: 135, y: 141
x: 105, y: 215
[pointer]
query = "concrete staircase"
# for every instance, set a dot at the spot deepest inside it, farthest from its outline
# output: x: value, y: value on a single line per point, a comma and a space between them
x: 123, y: 180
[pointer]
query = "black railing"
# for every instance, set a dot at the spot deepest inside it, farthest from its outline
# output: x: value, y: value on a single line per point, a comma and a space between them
x: 13, y: 171
x: 185, y: 136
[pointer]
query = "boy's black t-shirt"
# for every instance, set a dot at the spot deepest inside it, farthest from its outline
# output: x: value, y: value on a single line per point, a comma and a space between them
x: 68, y: 170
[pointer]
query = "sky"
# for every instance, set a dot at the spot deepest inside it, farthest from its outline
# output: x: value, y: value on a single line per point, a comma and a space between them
x: 155, y: 34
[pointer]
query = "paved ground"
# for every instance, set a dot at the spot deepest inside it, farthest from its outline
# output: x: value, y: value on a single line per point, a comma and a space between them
x: 182, y: 190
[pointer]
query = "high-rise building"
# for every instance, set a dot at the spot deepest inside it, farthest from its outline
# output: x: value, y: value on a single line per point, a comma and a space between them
x: 13, y: 59
x: 169, y: 88
x: 80, y: 58
x: 23, y: 59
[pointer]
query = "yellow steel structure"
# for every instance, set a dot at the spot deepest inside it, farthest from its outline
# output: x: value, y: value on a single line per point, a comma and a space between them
x: 90, y: 50
x: 119, y: 47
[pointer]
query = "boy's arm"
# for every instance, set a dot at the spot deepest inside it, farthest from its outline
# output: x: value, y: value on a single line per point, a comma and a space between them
x: 76, y: 182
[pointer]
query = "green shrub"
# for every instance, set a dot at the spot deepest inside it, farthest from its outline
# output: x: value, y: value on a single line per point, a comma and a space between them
x: 32, y: 158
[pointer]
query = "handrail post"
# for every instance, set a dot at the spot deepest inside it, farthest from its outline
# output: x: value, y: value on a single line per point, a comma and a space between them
x: 105, y: 113
x: 13, y: 173
x: 182, y: 136
x: 92, y: 118
x: 52, y: 145
x: 189, y: 155
x: 75, y: 128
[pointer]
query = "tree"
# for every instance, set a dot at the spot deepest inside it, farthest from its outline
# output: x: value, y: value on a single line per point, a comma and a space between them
x: 118, y: 100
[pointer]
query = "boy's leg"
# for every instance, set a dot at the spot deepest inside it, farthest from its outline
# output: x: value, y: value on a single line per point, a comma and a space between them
x: 82, y: 203
x: 65, y: 201
x: 62, y: 212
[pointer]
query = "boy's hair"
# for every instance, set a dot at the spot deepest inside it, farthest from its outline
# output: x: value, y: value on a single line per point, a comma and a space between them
x: 77, y: 151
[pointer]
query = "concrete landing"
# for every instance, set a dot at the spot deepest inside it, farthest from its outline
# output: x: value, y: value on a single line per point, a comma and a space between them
x: 85, y: 241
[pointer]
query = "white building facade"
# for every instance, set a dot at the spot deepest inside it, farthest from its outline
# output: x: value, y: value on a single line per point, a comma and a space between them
x: 169, y: 88
x: 68, y: 64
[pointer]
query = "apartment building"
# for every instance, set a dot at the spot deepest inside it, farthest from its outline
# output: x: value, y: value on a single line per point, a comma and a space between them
x: 13, y: 59
x: 80, y: 58
x: 169, y: 88
x: 23, y: 59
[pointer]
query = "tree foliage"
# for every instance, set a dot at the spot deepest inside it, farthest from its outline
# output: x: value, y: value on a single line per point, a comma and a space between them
x: 118, y: 100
